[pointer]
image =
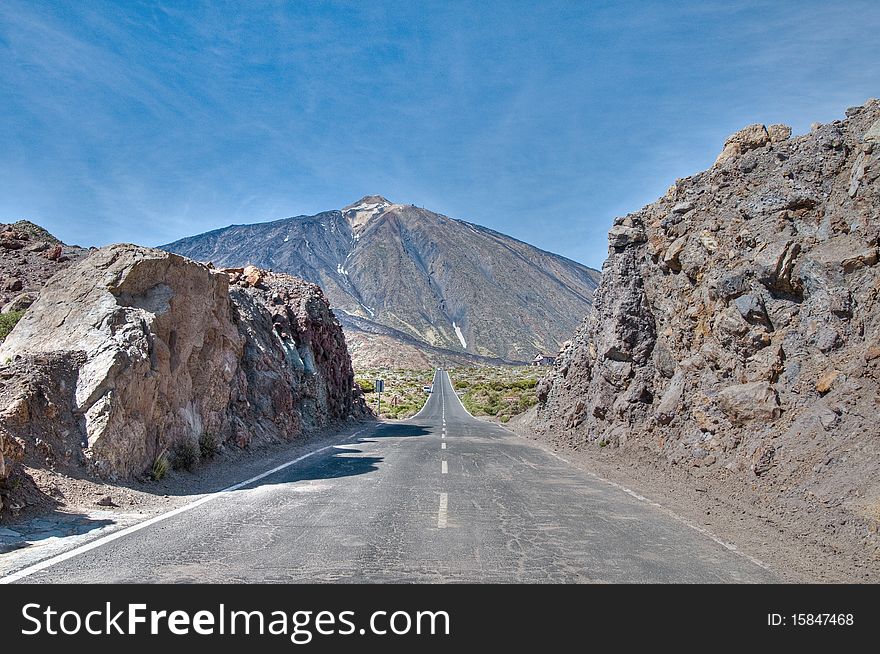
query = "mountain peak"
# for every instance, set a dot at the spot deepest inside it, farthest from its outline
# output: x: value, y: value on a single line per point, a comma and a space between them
x: 371, y: 199
x: 365, y: 209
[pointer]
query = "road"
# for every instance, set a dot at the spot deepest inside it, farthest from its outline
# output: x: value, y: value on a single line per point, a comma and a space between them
x: 442, y: 497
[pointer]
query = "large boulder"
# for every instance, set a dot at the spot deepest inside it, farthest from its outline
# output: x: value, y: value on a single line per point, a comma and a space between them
x: 748, y: 138
x: 161, y: 351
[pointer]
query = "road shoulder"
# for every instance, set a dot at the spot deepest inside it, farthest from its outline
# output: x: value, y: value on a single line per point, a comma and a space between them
x: 732, y: 513
x: 84, y: 516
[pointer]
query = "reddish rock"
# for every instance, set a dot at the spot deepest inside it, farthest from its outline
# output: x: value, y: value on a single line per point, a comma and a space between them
x: 157, y: 350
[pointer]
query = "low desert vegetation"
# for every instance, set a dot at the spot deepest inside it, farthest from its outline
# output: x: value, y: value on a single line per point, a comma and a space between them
x: 8, y: 321
x: 500, y: 392
x: 209, y: 445
x: 185, y: 455
x: 404, y: 392
x: 160, y: 467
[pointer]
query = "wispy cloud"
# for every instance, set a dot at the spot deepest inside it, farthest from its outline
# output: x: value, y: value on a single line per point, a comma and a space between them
x: 148, y: 121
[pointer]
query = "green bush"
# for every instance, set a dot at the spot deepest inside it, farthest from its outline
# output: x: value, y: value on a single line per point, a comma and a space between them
x: 366, y: 385
x: 208, y: 445
x: 8, y: 321
x: 502, y: 392
x: 185, y: 455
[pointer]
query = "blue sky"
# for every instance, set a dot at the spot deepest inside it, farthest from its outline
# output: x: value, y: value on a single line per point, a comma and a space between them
x: 150, y: 121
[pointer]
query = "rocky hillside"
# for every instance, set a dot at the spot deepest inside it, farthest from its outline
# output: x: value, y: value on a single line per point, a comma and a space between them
x: 415, y: 288
x: 136, y: 354
x: 29, y: 256
x: 736, y: 331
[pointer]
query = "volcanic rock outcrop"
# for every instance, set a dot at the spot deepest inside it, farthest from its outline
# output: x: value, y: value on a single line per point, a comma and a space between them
x: 133, y: 353
x: 737, y: 325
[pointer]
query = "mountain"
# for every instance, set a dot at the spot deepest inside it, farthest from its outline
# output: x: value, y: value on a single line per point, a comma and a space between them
x: 736, y: 333
x: 413, y: 288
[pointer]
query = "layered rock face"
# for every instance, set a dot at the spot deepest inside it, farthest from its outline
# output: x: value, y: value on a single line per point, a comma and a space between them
x: 737, y: 326
x: 133, y: 351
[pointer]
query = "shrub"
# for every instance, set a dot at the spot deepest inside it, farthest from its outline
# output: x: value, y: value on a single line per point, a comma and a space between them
x: 160, y: 467
x: 208, y: 445
x: 366, y: 385
x: 8, y: 321
x: 186, y: 455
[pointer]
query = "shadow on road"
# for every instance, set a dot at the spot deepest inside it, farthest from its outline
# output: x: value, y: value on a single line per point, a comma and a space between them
x: 54, y: 524
x: 396, y: 431
x: 343, y: 461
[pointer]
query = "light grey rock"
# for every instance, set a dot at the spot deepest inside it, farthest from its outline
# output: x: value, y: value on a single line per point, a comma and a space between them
x: 748, y: 138
x: 673, y: 253
x: 20, y: 302
x: 873, y: 133
x: 671, y: 399
x: 683, y: 207
x: 621, y: 236
x: 138, y: 350
x: 748, y: 402
x: 778, y: 133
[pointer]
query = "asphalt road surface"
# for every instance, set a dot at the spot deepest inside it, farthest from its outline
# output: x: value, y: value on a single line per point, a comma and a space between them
x: 442, y: 497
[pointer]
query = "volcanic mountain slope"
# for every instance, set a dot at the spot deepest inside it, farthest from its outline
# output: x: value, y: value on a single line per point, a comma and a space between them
x: 413, y: 288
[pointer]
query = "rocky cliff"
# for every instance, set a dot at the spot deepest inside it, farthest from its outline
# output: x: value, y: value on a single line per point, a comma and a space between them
x: 134, y: 353
x: 414, y: 288
x: 29, y: 257
x: 736, y: 330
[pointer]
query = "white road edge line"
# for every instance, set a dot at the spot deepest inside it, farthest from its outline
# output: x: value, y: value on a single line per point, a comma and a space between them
x: 442, y: 513
x: 82, y: 549
x: 425, y: 405
x: 455, y: 395
x: 705, y: 532
x: 443, y: 468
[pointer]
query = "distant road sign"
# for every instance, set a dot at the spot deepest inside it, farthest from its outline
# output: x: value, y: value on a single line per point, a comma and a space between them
x: 380, y: 385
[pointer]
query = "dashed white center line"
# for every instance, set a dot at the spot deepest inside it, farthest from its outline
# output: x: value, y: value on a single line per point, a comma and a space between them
x: 442, y: 514
x: 442, y: 446
x: 443, y: 468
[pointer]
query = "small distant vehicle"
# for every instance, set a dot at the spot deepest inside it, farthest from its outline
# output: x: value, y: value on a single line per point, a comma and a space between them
x: 428, y: 389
